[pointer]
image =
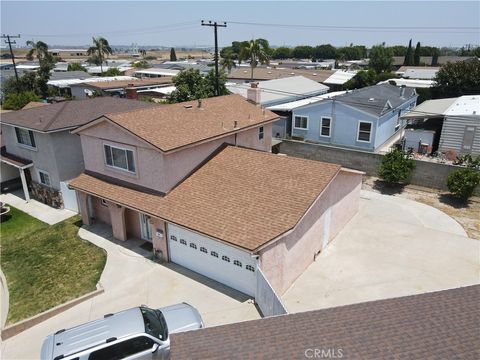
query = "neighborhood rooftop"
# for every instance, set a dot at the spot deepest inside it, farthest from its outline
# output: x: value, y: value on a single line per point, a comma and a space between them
x: 233, y: 196
x: 69, y: 114
x: 116, y: 84
x: 169, y: 127
x: 438, y: 325
x: 374, y: 99
x: 270, y: 74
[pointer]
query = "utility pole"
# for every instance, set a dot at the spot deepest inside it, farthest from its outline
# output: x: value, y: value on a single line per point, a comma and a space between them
x: 215, y: 26
x: 10, y: 42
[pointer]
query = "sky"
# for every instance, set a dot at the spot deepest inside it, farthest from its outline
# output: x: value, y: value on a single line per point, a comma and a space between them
x: 290, y: 23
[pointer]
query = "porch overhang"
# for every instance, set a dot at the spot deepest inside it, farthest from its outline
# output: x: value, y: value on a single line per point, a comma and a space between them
x: 14, y: 160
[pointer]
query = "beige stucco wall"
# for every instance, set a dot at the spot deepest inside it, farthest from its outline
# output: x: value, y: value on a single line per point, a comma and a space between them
x: 286, y: 259
x: 154, y: 169
x: 159, y: 240
x: 100, y: 212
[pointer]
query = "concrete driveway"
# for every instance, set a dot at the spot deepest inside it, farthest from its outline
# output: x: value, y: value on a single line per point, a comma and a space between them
x: 130, y: 279
x: 392, y: 247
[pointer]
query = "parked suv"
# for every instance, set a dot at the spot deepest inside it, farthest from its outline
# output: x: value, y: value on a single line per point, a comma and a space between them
x: 138, y: 333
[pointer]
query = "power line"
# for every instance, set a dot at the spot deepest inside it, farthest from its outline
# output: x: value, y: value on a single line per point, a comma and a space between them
x: 10, y: 42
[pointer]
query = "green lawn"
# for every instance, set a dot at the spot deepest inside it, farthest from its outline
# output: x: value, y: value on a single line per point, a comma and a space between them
x: 46, y: 265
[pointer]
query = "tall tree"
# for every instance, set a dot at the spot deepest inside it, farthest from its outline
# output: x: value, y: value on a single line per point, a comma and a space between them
x: 457, y: 79
x: 381, y: 59
x: 256, y: 52
x: 282, y: 53
x: 40, y: 51
x: 99, y: 49
x: 227, y: 61
x: 76, y: 66
x: 303, y: 52
x: 173, y: 55
x: 409, y: 55
x: 416, y: 55
x: 325, y: 51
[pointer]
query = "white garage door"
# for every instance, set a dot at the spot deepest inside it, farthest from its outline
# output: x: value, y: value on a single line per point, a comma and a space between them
x: 223, y: 263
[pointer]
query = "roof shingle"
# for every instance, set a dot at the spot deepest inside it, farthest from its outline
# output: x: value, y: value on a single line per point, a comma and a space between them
x: 234, y: 197
x: 439, y: 325
x: 69, y: 114
x: 169, y: 127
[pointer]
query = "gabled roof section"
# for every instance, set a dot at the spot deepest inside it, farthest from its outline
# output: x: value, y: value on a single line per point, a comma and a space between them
x: 169, y: 127
x: 243, y: 197
x: 69, y: 114
x: 373, y: 99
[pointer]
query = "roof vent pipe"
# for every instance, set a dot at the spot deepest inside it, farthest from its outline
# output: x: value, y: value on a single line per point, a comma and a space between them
x: 235, y: 124
x: 199, y: 103
x: 402, y: 90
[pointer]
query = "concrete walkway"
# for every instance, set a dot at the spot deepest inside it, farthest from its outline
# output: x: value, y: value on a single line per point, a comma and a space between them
x: 130, y: 279
x: 36, y: 209
x: 392, y: 247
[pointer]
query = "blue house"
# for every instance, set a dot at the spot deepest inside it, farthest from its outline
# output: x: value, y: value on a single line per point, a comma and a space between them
x: 362, y: 119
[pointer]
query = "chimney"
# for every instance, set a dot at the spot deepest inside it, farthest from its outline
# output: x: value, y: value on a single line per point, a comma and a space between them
x: 402, y: 90
x: 253, y: 93
x: 131, y: 92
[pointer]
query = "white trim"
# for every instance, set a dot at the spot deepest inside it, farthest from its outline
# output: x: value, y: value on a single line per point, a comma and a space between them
x: 329, y: 128
x: 40, y: 178
x: 300, y: 128
x: 358, y: 131
x: 112, y: 145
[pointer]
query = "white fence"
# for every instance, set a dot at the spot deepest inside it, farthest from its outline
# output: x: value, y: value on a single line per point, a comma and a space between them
x: 266, y: 298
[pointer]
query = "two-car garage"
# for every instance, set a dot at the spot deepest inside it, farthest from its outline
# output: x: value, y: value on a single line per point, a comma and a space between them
x: 218, y: 261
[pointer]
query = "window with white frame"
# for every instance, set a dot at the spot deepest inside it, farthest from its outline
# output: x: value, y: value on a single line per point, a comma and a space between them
x: 119, y: 158
x: 44, y: 178
x: 25, y: 137
x: 300, y: 122
x: 325, y: 126
x: 364, y: 131
x: 260, y: 133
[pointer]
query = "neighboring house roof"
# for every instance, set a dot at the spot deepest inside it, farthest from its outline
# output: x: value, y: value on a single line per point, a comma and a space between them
x: 375, y: 99
x: 404, y: 68
x: 119, y: 84
x: 243, y: 197
x: 244, y: 73
x: 72, y: 82
x: 340, y: 77
x: 423, y: 74
x: 442, y: 60
x: 438, y: 325
x: 299, y: 103
x: 66, y: 75
x: 430, y: 108
x: 281, y: 90
x: 34, y: 104
x: 413, y: 83
x: 463, y: 105
x: 69, y: 114
x: 157, y: 71
x: 166, y: 90
x: 169, y: 127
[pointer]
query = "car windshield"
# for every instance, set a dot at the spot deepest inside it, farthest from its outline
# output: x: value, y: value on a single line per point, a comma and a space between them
x: 155, y: 323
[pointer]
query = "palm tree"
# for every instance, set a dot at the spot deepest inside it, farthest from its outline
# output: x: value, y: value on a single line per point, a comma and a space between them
x: 256, y: 51
x: 227, y: 61
x: 99, y: 49
x: 39, y: 50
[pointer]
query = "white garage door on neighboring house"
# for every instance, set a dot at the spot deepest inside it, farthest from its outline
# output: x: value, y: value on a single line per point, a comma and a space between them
x: 213, y: 259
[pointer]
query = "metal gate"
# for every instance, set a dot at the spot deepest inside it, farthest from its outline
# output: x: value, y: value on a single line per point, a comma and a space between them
x: 266, y: 298
x: 69, y: 197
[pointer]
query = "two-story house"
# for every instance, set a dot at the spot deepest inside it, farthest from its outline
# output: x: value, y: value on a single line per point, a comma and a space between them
x: 362, y: 119
x: 197, y: 180
x: 39, y: 151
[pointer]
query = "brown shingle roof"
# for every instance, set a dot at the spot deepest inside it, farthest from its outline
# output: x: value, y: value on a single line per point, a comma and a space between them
x: 244, y: 197
x: 439, y: 325
x: 169, y: 127
x: 270, y: 74
x: 117, y: 84
x: 34, y: 104
x: 69, y: 114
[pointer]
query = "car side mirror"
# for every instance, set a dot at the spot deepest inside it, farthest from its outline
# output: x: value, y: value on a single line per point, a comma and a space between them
x: 155, y: 347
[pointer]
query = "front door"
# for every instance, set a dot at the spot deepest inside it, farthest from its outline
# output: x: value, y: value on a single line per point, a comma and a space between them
x: 145, y: 228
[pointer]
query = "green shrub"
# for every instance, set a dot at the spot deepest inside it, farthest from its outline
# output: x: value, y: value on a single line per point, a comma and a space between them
x: 462, y: 183
x: 396, y: 167
x: 16, y: 101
